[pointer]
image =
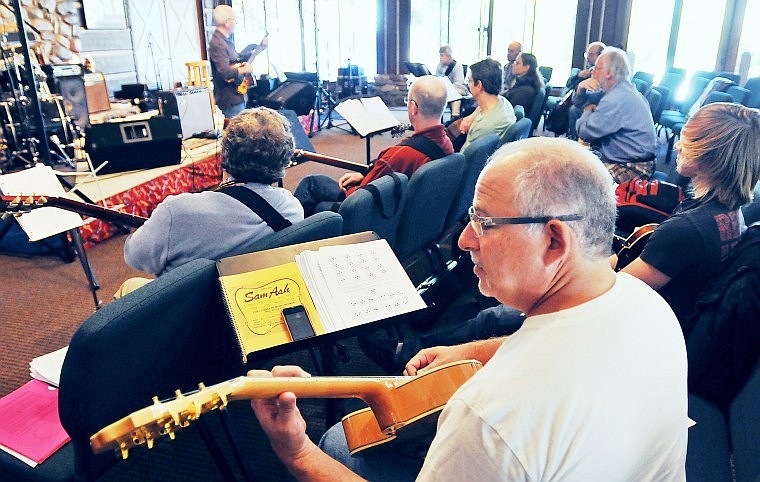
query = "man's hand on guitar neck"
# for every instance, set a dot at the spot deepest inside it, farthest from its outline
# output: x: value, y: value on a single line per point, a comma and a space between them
x: 284, y: 425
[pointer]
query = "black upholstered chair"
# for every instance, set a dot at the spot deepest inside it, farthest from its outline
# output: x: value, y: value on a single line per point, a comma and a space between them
x: 380, y: 212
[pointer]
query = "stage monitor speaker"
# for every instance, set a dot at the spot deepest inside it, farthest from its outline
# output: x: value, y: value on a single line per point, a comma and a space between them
x: 192, y: 106
x: 72, y: 90
x: 128, y: 146
x: 296, y: 95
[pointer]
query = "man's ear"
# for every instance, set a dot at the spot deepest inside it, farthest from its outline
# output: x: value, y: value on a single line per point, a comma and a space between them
x: 558, y: 236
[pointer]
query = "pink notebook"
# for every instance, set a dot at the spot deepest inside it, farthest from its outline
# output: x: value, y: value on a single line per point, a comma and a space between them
x: 29, y: 422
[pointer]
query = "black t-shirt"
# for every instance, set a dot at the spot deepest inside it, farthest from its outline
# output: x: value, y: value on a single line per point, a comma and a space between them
x: 690, y: 247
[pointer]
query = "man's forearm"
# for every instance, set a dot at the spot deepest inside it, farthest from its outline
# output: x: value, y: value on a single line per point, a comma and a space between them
x: 317, y: 466
x: 483, y: 350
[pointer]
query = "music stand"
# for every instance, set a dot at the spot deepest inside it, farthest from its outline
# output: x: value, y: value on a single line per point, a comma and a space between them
x: 417, y: 69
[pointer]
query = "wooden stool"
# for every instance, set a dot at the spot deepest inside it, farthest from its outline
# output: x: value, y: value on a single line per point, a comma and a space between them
x: 199, y: 75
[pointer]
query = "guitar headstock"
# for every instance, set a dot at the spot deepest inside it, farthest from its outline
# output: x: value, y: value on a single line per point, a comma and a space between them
x: 162, y: 418
x: 20, y: 205
x: 399, y: 130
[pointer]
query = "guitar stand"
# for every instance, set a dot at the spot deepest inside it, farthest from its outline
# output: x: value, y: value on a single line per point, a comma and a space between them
x: 78, y: 246
x: 326, y: 122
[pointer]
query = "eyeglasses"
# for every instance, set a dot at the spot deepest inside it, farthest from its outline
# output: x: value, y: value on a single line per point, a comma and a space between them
x: 407, y: 100
x: 480, y: 223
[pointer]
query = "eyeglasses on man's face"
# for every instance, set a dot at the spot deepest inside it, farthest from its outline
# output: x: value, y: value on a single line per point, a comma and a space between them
x: 481, y: 223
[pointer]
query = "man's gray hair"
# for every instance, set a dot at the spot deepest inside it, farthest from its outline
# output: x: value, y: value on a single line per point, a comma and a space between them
x: 430, y: 95
x: 257, y: 146
x: 617, y: 62
x: 445, y: 49
x: 561, y: 177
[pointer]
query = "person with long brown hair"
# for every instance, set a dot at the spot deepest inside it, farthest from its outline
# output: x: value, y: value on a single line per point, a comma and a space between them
x: 719, y: 150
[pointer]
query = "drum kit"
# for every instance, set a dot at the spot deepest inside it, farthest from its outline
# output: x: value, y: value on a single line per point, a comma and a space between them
x: 20, y: 132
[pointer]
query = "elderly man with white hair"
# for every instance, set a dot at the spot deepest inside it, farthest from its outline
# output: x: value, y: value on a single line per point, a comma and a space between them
x: 620, y: 126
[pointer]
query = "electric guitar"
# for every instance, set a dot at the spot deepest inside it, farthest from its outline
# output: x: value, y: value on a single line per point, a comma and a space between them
x: 300, y: 155
x: 630, y: 248
x: 246, y: 80
x: 402, y: 410
x: 19, y: 205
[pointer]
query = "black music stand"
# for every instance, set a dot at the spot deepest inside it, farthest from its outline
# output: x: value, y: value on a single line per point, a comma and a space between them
x: 417, y: 69
x: 368, y: 116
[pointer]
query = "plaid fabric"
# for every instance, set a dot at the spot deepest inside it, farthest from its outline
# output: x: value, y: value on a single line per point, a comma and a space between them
x: 625, y: 171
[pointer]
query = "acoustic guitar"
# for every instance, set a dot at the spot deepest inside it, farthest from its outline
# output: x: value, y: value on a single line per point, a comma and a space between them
x: 19, y: 205
x: 402, y: 410
x: 630, y: 248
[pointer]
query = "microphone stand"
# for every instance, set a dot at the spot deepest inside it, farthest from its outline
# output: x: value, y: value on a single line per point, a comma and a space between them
x: 32, y: 88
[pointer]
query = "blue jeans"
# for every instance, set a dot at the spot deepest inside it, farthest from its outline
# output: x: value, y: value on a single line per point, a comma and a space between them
x: 234, y: 110
x: 376, y: 467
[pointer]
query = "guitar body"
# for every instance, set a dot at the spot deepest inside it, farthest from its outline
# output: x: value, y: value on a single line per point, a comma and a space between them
x: 631, y: 247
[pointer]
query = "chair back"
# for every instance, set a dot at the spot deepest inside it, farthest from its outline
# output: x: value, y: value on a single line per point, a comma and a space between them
x: 735, y: 78
x: 739, y: 94
x: 380, y: 212
x: 665, y: 99
x: 672, y: 81
x: 696, y: 86
x: 744, y: 426
x: 326, y: 224
x: 519, y: 130
x: 546, y: 72
x: 170, y: 334
x: 717, y: 96
x: 645, y: 76
x: 426, y: 204
x: 655, y: 103
x: 642, y: 86
x: 475, y: 157
x: 753, y: 86
x: 537, y: 107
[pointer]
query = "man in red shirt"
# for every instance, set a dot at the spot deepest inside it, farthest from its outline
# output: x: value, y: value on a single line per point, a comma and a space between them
x: 425, y: 104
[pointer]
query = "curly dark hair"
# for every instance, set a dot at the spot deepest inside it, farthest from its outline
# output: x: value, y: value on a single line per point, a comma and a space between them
x: 257, y: 146
x: 488, y: 71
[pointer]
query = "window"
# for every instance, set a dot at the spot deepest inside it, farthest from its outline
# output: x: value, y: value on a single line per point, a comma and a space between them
x: 750, y: 39
x: 464, y: 25
x: 649, y: 34
x: 328, y: 32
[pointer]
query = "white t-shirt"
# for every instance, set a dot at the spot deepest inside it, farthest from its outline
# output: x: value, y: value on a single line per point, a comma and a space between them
x: 594, y: 392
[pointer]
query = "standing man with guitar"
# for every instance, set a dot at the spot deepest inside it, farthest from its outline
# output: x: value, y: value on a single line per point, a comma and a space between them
x: 226, y: 68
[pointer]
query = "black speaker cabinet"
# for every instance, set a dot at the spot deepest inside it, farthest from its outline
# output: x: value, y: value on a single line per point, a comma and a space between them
x: 74, y: 99
x: 192, y: 106
x: 295, y: 95
x: 128, y: 146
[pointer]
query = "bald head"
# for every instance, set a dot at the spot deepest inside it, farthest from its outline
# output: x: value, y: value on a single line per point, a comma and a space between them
x: 513, y: 50
x: 555, y: 176
x: 223, y: 14
x: 429, y: 93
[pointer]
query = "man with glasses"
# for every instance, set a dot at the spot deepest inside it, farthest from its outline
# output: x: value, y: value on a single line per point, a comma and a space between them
x: 225, y: 66
x: 592, y: 387
x: 424, y: 104
x: 579, y: 98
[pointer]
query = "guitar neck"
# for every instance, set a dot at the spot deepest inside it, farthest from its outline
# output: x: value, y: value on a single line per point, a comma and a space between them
x: 370, y: 389
x: 76, y: 206
x: 330, y: 161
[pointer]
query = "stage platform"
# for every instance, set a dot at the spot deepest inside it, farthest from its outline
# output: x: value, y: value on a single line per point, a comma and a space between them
x: 139, y: 192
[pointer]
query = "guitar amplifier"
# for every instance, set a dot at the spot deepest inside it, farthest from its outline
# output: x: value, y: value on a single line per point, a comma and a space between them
x: 192, y: 106
x: 128, y: 146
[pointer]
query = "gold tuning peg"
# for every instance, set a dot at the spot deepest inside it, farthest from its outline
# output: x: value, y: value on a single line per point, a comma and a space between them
x: 42, y: 200
x: 16, y: 200
x: 5, y: 216
x: 123, y: 450
x: 155, y: 400
x: 29, y: 200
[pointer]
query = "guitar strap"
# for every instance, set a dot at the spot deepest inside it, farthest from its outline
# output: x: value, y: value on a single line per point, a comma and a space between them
x: 379, y: 200
x: 424, y: 145
x: 258, y: 205
x: 450, y: 68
